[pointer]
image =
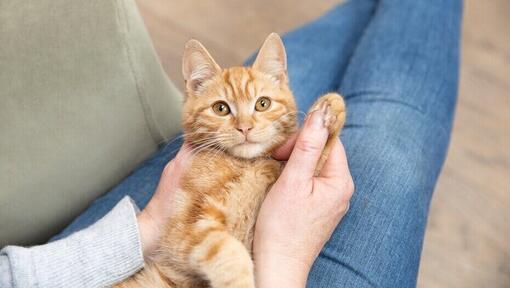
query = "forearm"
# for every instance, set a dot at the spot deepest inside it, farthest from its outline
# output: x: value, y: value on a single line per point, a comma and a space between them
x: 98, y: 256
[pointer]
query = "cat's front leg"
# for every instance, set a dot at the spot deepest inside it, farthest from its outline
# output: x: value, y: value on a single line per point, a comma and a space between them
x: 332, y: 105
x: 223, y: 260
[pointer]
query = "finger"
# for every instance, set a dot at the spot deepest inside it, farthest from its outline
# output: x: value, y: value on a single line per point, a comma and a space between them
x: 308, y: 147
x: 175, y: 167
x: 183, y: 156
x: 336, y: 175
x: 336, y: 165
x: 282, y: 153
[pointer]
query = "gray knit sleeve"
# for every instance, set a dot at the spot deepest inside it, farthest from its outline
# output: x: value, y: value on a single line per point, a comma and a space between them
x: 98, y: 256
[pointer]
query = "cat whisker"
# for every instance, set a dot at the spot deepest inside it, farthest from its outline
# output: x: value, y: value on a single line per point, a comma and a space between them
x: 202, y: 147
x: 215, y: 139
x: 184, y: 135
x: 199, y: 142
x: 173, y: 141
x: 219, y: 151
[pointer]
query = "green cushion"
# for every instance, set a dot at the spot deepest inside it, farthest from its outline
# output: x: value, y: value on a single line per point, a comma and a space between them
x: 83, y: 100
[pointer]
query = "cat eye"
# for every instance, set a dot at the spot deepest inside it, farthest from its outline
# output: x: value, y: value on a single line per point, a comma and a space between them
x: 221, y: 108
x: 262, y: 104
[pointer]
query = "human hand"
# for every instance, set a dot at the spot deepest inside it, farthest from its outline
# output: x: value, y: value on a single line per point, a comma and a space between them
x: 152, y: 220
x: 301, y: 211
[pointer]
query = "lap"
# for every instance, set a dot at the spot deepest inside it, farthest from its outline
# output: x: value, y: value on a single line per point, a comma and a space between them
x: 396, y: 136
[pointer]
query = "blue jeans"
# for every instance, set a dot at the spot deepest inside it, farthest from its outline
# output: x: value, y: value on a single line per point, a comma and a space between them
x: 396, y: 63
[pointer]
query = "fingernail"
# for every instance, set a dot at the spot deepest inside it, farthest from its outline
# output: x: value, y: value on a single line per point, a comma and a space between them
x: 316, y: 120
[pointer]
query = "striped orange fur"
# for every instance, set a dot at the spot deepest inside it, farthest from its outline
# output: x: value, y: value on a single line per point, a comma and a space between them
x: 208, y: 239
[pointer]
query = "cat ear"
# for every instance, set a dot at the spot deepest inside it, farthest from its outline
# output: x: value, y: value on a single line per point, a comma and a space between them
x: 272, y: 59
x: 198, y: 65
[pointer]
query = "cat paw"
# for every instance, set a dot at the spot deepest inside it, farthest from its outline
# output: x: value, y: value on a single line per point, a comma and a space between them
x: 332, y: 105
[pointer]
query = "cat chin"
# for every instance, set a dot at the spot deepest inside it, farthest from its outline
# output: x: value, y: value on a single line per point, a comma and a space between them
x: 248, y: 150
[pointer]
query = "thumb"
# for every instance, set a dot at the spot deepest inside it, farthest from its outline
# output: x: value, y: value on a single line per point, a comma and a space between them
x: 173, y: 170
x: 308, y: 147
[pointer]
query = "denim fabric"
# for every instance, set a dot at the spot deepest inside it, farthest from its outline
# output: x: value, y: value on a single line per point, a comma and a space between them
x: 396, y: 63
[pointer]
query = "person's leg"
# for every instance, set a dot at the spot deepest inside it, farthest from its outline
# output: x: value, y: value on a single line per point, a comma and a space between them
x: 140, y: 186
x: 316, y: 61
x: 400, y: 90
x: 318, y: 52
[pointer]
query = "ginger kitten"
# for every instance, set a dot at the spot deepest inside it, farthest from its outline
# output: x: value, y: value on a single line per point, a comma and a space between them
x: 233, y: 118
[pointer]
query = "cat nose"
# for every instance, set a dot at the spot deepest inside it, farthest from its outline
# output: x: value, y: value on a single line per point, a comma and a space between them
x: 244, y: 128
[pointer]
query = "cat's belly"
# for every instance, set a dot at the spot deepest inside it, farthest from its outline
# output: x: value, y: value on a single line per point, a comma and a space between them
x: 246, y: 194
x: 237, y: 186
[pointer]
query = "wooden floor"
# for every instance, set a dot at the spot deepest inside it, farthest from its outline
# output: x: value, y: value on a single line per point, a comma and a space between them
x: 468, y: 236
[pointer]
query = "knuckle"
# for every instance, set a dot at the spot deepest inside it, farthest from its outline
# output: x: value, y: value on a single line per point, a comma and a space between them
x: 349, y: 190
x: 345, y: 208
x: 349, y: 187
x: 346, y: 191
x: 167, y: 171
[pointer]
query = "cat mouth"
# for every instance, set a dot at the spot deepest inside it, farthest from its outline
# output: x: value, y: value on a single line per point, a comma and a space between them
x: 248, y: 142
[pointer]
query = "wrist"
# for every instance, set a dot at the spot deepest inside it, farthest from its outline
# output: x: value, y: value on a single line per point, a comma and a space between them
x: 276, y: 270
x: 149, y: 232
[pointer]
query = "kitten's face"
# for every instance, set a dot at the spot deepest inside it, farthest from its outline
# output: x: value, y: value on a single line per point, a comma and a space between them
x: 243, y: 111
